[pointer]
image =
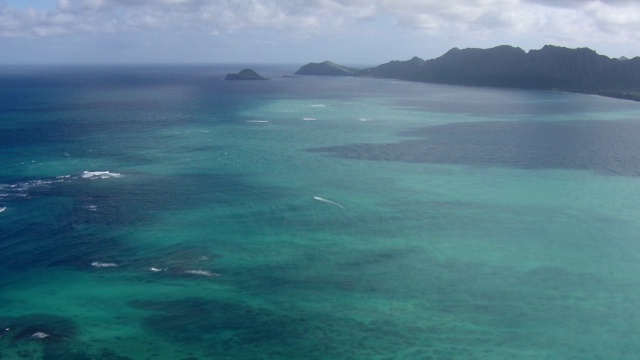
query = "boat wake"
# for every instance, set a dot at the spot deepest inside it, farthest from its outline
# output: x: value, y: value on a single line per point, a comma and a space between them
x: 328, y: 202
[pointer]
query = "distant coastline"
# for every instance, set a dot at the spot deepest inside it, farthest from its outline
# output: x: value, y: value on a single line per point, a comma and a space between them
x: 580, y: 70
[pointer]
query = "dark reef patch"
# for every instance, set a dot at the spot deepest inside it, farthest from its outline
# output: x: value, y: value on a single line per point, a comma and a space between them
x: 90, y: 212
x: 607, y: 147
x: 23, y: 327
x: 231, y: 330
x: 47, y: 337
x: 217, y: 323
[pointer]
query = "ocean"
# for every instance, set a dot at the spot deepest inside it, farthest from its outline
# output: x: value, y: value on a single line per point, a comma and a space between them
x: 160, y: 212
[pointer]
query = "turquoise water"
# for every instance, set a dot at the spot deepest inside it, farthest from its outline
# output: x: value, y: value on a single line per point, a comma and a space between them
x: 162, y: 213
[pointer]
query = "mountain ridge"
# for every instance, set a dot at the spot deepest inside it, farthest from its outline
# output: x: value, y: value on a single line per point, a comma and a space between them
x: 580, y: 70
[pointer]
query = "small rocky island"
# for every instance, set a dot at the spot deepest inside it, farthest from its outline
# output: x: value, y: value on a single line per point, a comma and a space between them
x: 326, y: 68
x: 246, y: 74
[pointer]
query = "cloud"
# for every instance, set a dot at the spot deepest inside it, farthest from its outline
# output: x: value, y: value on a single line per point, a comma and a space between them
x: 429, y: 16
x: 108, y: 16
x: 564, y: 22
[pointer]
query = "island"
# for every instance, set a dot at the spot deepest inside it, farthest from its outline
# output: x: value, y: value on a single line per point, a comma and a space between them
x: 555, y: 68
x: 246, y: 74
x: 326, y: 68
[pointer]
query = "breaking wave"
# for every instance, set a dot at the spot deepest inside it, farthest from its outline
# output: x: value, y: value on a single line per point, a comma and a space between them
x: 25, y: 189
x: 99, y: 175
x: 202, y: 273
x: 103, y: 264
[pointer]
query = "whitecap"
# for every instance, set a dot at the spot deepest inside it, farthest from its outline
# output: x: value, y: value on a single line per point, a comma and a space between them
x: 155, y: 269
x: 309, y: 119
x: 258, y: 121
x: 364, y: 119
x: 22, y: 189
x: 202, y: 273
x: 3, y: 208
x: 318, y: 105
x: 99, y: 175
x: 40, y: 335
x: 34, y: 183
x: 103, y: 264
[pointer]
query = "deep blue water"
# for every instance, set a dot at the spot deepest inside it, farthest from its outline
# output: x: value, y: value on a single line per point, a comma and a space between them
x: 159, y: 212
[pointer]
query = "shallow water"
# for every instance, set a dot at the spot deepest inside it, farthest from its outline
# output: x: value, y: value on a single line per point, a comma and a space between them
x: 162, y: 213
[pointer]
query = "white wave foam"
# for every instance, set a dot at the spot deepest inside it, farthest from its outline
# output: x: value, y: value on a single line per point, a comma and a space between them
x: 22, y: 189
x: 3, y: 208
x: 34, y: 183
x: 99, y: 175
x: 318, y: 105
x: 258, y: 121
x: 40, y: 335
x: 102, y: 265
x: 202, y: 273
x: 309, y: 119
x: 155, y: 269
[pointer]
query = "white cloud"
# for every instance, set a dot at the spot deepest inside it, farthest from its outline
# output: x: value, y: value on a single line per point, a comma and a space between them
x: 431, y: 16
x: 519, y: 22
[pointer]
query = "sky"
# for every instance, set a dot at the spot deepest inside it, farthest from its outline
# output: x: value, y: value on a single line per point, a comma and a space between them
x: 368, y: 32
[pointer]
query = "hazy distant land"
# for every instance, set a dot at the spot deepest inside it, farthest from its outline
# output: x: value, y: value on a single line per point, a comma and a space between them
x: 557, y: 68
